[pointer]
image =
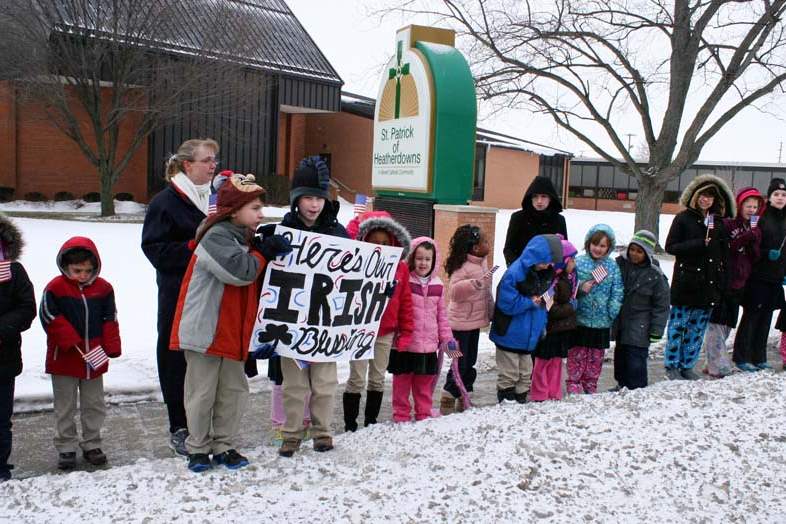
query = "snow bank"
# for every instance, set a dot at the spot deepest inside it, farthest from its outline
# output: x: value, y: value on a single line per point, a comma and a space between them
x: 681, y: 451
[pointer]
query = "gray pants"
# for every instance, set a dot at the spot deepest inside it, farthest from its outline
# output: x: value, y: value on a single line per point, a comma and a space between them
x: 376, y: 368
x: 320, y: 379
x: 514, y: 370
x: 92, y: 412
x: 216, y: 392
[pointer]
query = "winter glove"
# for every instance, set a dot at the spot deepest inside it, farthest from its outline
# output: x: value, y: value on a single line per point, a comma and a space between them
x: 273, y: 247
x: 774, y: 254
x: 263, y: 352
x: 391, y: 288
x: 654, y: 337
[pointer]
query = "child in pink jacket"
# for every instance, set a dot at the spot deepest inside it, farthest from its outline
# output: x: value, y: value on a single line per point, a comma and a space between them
x: 471, y: 306
x: 414, y: 369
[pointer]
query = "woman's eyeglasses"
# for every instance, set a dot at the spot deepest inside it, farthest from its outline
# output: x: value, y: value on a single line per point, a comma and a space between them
x: 208, y: 160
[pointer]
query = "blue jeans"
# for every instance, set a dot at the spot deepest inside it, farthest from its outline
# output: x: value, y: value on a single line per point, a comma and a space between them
x: 6, y: 410
x: 685, y: 336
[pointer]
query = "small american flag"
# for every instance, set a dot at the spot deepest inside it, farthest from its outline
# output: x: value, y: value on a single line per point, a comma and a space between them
x: 754, y: 220
x: 710, y: 221
x: 548, y: 298
x: 361, y: 203
x: 5, y: 270
x: 96, y: 357
x: 212, y: 205
x: 599, y: 274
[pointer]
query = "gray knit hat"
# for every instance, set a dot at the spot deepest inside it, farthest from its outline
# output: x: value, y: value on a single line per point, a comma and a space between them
x: 645, y: 240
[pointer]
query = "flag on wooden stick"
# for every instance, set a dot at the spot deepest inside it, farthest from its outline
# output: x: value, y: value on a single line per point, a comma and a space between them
x: 361, y: 203
x: 96, y: 357
x: 599, y: 274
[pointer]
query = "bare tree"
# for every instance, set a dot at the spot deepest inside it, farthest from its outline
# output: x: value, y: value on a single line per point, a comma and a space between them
x: 120, y: 64
x: 675, y: 72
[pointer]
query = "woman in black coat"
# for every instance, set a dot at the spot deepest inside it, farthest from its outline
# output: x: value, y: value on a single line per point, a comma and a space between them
x: 701, y: 250
x: 764, y: 291
x: 17, y: 311
x: 168, y: 241
x: 539, y: 215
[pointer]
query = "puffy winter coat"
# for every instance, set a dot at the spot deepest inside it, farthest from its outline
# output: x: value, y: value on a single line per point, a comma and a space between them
x: 700, y: 276
x: 744, y: 244
x: 562, y: 315
x: 78, y: 316
x: 429, y: 314
x: 397, y: 317
x: 518, y: 321
x: 170, y: 226
x: 218, y: 301
x: 471, y: 302
x: 645, y: 306
x: 17, y: 301
x: 773, y: 233
x: 528, y: 222
x: 598, y: 308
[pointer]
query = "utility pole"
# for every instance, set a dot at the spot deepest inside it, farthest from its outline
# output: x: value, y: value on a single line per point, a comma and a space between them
x: 780, y: 151
x: 629, y: 135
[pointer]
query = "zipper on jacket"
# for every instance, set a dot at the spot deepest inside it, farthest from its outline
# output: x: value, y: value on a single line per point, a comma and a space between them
x: 87, y: 323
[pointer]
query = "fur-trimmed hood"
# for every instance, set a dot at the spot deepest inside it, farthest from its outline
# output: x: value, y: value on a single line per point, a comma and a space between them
x: 372, y: 220
x: 725, y: 205
x: 10, y: 238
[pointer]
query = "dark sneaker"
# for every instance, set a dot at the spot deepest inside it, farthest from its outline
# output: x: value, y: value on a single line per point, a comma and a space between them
x: 521, y: 398
x: 289, y: 447
x: 231, y: 459
x: 177, y: 442
x: 5, y: 474
x: 674, y: 374
x: 95, y: 457
x: 763, y: 365
x: 324, y: 443
x: 689, y: 374
x: 66, y: 461
x: 199, y: 462
x: 615, y: 389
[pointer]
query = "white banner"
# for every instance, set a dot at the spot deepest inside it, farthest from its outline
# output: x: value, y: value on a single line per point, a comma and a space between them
x: 323, y: 302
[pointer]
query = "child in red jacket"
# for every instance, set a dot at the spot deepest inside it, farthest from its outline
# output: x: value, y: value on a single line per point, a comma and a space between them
x: 395, y: 328
x: 79, y: 316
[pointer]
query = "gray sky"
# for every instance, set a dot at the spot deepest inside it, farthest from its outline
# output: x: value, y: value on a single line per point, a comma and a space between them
x: 358, y: 46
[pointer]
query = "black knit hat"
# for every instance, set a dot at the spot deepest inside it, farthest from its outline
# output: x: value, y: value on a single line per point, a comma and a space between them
x: 775, y: 184
x: 312, y: 178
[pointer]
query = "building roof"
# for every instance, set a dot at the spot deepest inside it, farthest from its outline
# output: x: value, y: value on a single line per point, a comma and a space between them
x: 280, y: 43
x: 364, y: 106
x: 698, y: 164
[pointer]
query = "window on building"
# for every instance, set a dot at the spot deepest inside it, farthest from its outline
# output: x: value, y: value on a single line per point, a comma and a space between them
x: 479, y: 180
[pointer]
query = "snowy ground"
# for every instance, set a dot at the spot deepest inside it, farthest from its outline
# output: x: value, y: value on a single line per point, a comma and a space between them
x: 134, y: 376
x: 709, y: 451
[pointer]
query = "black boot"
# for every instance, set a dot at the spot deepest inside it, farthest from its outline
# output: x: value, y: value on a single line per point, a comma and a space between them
x: 351, y: 410
x: 521, y: 398
x: 506, y: 395
x: 373, y: 403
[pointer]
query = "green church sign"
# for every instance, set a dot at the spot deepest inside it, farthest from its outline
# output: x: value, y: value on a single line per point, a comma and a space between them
x: 425, y: 119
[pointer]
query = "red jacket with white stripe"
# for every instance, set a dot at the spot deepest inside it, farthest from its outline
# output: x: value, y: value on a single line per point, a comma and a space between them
x: 79, y: 316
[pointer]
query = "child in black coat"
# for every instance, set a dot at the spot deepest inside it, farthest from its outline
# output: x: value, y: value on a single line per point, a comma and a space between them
x: 17, y: 311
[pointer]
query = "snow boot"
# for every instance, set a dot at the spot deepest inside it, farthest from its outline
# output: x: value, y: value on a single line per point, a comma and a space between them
x: 351, y: 410
x: 674, y: 374
x: 447, y: 404
x: 521, y: 398
x: 323, y: 443
x: 289, y: 447
x: 67, y: 460
x: 689, y: 374
x: 373, y: 405
x: 506, y: 395
x: 95, y: 457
